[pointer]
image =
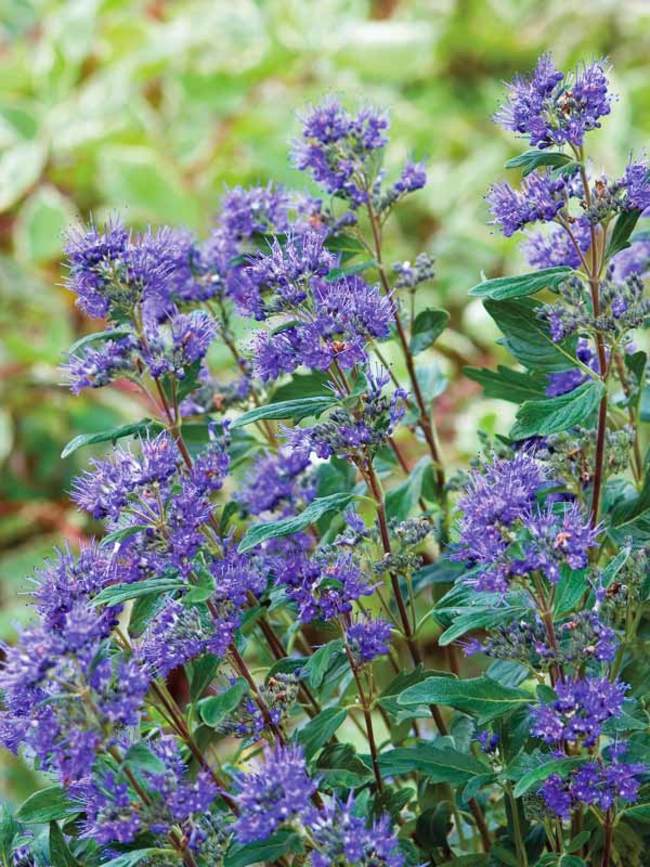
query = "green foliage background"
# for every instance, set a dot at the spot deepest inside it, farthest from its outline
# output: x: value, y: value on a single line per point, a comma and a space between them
x: 151, y: 108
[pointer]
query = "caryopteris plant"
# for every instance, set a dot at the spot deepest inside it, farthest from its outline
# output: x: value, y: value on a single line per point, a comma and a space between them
x: 242, y: 669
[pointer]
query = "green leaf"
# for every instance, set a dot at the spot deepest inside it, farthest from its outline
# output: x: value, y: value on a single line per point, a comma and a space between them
x: 402, y: 499
x: 478, y: 618
x: 320, y: 662
x: 506, y: 384
x: 96, y: 337
x: 480, y: 696
x: 9, y: 829
x: 534, y: 777
x: 572, y: 586
x: 318, y: 731
x: 60, y: 854
x: 202, y: 671
x: 116, y: 594
x: 120, y: 535
x: 139, y: 428
x: 215, y: 708
x: 427, y: 328
x: 555, y: 414
x: 47, y: 805
x: 531, y: 160
x: 437, y: 764
x: 337, y: 273
x: 623, y: 228
x: 632, y: 517
x: 520, y: 285
x: 266, y: 852
x: 639, y: 812
x: 140, y: 757
x: 130, y: 859
x: 345, y: 244
x: 528, y: 337
x: 259, y: 533
x: 301, y: 385
x: 293, y: 409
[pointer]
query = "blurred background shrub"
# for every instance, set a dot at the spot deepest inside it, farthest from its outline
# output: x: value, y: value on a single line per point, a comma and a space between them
x: 152, y: 108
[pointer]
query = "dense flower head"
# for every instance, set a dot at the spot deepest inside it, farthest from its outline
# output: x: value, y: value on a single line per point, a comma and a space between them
x: 413, y: 177
x: 636, y: 182
x: 277, y: 481
x: 323, y: 587
x: 279, y: 791
x: 541, y: 198
x: 342, y: 837
x: 351, y: 432
x: 97, y: 367
x: 556, y: 247
x: 115, y: 812
x: 582, y: 706
x: 597, y: 783
x: 336, y: 148
x: 634, y: 260
x: 177, y: 343
x: 368, y: 638
x: 246, y: 211
x: 553, y: 109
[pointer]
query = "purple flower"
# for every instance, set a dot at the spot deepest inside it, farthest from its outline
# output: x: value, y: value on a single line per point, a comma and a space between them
x: 245, y: 212
x: 552, y: 540
x: 95, y: 368
x: 567, y: 380
x: 553, y: 110
x: 280, y: 790
x: 212, y: 464
x: 413, y: 177
x: 92, y: 256
x: 595, y: 783
x: 276, y: 480
x: 336, y: 148
x: 368, y: 639
x: 541, y: 197
x: 634, y: 260
x: 323, y: 588
x: 636, y: 182
x: 556, y: 247
x: 579, y: 712
x: 341, y: 836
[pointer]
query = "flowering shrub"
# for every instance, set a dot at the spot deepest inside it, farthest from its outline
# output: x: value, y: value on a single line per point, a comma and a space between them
x: 239, y: 670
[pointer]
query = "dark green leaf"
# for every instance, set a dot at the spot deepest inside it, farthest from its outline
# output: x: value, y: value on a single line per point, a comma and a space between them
x: 344, y: 244
x: 571, y: 587
x: 265, y: 852
x: 118, y: 593
x: 437, y: 764
x: 259, y: 533
x: 632, y: 517
x: 531, y: 160
x: 60, y: 854
x: 537, y: 775
x: 293, y: 409
x: 480, y: 696
x: 479, y: 618
x: 639, y: 812
x: 520, y: 285
x: 318, y: 731
x: 427, y: 328
x: 214, y: 709
x: 139, y: 428
x: 528, y: 337
x: 507, y: 384
x: 202, y: 670
x: 47, y: 805
x: 623, y: 228
x: 555, y: 414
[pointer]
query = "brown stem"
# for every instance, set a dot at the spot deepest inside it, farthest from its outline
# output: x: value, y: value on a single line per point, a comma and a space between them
x: 424, y: 415
x: 607, y: 842
x: 367, y: 715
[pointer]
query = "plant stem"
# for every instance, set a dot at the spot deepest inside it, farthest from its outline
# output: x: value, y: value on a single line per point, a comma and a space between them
x: 608, y: 839
x: 367, y: 715
x: 424, y: 414
x: 522, y: 856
